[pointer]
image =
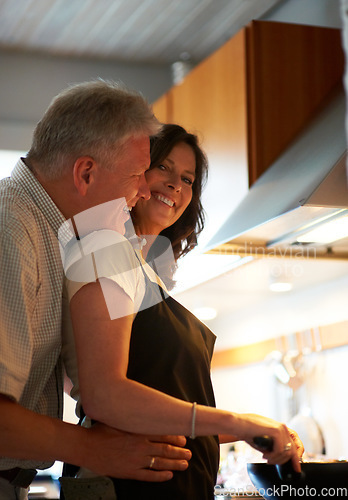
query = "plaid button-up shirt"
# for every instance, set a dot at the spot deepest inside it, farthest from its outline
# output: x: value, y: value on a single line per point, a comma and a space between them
x: 31, y: 280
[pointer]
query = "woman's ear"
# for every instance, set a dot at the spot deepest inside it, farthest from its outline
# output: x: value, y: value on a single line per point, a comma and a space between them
x: 84, y: 171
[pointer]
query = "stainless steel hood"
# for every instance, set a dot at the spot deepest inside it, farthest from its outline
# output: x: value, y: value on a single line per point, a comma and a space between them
x: 305, y: 186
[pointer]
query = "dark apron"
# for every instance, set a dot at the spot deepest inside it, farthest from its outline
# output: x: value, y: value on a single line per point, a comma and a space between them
x: 171, y: 350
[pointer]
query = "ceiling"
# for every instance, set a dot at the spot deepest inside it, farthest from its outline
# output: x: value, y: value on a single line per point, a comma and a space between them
x: 138, y: 31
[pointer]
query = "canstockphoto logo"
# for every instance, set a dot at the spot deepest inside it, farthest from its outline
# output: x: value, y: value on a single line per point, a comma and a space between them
x: 283, y: 491
x: 100, y: 244
x: 289, y: 491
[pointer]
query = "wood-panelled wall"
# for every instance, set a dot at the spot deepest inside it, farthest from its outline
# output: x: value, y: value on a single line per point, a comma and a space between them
x: 316, y: 339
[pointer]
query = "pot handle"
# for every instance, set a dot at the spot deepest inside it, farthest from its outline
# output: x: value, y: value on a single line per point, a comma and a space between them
x: 286, y: 472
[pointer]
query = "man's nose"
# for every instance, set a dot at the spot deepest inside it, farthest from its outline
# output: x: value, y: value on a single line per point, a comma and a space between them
x: 144, y: 191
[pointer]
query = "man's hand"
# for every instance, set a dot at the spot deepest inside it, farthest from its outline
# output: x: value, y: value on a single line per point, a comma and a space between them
x: 105, y: 451
x: 129, y: 456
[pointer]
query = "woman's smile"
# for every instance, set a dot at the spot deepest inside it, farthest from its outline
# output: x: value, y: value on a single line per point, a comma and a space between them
x: 163, y: 199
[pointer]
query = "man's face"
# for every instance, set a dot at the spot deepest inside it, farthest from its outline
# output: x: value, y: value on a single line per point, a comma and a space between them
x: 127, y: 180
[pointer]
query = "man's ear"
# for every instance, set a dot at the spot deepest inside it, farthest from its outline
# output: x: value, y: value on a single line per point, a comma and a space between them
x: 84, y: 171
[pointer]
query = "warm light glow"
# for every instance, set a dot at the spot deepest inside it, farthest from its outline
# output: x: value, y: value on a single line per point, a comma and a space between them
x: 327, y: 232
x: 280, y: 286
x: 197, y: 268
x: 205, y: 313
x: 38, y: 490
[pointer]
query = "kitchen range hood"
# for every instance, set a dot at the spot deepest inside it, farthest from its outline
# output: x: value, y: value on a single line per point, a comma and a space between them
x: 304, y: 188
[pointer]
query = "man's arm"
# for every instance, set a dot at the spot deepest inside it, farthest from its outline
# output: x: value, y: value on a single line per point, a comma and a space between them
x: 28, y: 435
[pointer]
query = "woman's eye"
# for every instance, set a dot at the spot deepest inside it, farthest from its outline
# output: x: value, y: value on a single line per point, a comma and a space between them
x: 161, y: 167
x: 188, y: 181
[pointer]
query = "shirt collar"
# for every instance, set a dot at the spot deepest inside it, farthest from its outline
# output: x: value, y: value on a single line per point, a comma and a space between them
x: 23, y: 176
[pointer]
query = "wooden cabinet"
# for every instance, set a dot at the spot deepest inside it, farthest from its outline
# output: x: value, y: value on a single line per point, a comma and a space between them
x: 161, y: 109
x: 291, y: 70
x: 212, y: 103
x: 317, y: 339
x: 249, y: 99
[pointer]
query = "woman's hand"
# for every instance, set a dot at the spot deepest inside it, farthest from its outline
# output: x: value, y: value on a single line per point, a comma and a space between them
x: 286, y: 443
x: 298, y: 443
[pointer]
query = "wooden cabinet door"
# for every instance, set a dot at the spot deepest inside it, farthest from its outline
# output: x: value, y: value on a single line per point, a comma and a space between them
x: 291, y: 70
x: 162, y: 108
x: 211, y: 102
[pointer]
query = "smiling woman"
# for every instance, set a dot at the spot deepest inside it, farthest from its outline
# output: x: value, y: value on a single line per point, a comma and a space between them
x: 170, y: 184
x: 147, y: 369
x: 176, y: 178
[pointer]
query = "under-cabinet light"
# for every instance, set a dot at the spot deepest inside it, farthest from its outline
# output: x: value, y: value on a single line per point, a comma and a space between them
x: 327, y: 232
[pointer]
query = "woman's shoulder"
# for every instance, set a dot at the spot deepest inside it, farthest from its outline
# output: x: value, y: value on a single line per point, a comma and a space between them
x: 103, y: 243
x: 105, y: 249
x: 103, y: 238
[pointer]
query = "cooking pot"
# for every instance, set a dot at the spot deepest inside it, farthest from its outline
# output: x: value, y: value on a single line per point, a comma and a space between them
x: 317, y: 479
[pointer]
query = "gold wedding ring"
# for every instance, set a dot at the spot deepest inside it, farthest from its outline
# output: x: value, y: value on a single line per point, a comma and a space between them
x: 152, y: 462
x: 287, y: 447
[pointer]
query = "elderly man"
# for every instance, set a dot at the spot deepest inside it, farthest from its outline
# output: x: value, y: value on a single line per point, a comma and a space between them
x: 91, y: 146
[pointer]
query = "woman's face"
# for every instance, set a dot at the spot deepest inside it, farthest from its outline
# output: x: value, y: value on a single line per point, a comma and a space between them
x: 170, y: 184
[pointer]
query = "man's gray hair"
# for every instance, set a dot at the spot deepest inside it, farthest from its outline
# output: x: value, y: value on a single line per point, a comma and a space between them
x: 89, y: 119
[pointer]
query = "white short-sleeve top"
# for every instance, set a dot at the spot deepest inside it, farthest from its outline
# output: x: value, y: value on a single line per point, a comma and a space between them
x: 100, y: 254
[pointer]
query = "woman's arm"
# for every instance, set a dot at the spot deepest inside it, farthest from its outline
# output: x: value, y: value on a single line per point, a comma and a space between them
x: 227, y: 438
x: 107, y: 395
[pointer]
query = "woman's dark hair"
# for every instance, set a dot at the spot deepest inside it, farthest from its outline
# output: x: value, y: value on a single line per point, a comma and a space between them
x: 184, y: 232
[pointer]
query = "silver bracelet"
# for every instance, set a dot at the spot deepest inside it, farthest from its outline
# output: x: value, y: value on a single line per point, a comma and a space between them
x: 193, y: 425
